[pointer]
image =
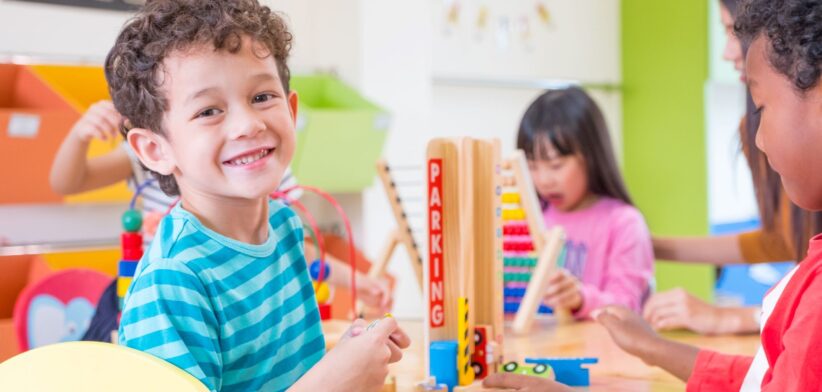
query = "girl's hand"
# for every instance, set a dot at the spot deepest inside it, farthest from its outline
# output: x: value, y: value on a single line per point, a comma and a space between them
x: 375, y: 294
x: 100, y: 121
x: 628, y: 330
x: 564, y: 291
x: 522, y: 383
x: 677, y: 308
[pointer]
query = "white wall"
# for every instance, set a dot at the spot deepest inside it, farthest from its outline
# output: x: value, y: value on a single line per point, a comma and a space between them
x: 57, y: 33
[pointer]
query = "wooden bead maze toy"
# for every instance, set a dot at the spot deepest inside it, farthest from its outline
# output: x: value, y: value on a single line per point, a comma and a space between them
x: 463, y: 289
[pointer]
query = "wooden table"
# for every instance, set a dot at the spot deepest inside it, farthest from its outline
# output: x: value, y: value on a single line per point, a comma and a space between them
x: 616, y: 370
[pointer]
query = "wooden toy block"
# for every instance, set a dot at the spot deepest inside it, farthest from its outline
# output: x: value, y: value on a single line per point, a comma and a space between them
x: 390, y: 385
x: 443, y: 362
x: 466, y: 371
x: 538, y: 370
x: 569, y: 371
x: 481, y: 358
x: 430, y: 385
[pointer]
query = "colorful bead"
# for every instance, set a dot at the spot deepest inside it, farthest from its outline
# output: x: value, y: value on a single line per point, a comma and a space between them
x: 322, y: 291
x: 314, y: 270
x: 132, y: 221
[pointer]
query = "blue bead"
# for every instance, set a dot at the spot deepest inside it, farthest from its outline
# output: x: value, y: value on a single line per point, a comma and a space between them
x: 314, y: 270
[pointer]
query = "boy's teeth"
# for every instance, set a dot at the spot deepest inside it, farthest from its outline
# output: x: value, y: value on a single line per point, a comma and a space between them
x: 248, y: 159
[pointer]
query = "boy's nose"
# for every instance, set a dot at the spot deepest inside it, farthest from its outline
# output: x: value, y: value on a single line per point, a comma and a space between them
x: 247, y: 123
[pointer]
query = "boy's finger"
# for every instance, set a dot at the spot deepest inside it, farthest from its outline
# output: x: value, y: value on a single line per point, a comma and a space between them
x: 356, y: 328
x: 385, y: 327
x: 400, y: 338
x: 396, y: 352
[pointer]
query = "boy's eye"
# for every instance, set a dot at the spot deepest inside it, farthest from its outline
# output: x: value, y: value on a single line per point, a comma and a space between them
x: 262, y: 98
x: 208, y: 113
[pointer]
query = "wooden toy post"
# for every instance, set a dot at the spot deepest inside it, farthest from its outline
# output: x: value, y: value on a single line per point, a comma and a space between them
x: 402, y: 234
x: 463, y: 291
x: 531, y: 251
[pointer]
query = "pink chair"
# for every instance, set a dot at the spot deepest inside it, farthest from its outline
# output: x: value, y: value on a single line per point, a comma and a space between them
x: 57, y: 308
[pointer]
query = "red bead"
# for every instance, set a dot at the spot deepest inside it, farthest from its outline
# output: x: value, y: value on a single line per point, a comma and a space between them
x: 133, y: 254
x: 325, y: 312
x: 131, y: 240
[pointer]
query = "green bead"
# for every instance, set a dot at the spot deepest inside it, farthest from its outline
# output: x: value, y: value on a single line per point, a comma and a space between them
x: 132, y: 221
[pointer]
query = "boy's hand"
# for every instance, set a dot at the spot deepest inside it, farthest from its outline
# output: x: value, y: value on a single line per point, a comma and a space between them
x: 564, y: 291
x: 522, y: 383
x: 359, y: 362
x: 678, y: 309
x: 374, y: 293
x: 100, y: 121
x: 628, y: 330
x: 397, y: 341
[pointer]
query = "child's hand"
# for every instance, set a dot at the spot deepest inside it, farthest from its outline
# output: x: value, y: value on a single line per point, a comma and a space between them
x: 628, y: 330
x: 678, y: 309
x: 100, y: 121
x: 522, y: 383
x: 359, y: 362
x: 564, y: 291
x: 374, y: 293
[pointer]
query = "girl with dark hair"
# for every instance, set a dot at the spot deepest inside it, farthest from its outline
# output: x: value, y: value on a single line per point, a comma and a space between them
x: 609, y: 258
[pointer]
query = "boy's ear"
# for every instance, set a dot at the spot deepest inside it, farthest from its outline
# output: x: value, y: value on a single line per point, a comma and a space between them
x: 152, y: 149
x: 293, y: 101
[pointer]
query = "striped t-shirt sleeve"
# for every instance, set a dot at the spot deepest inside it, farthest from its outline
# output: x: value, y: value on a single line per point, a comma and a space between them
x: 169, y: 316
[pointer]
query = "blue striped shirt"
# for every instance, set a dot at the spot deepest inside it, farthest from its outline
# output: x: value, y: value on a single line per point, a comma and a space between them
x: 237, y: 316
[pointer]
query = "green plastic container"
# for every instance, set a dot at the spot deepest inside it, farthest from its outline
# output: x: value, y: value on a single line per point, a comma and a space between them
x: 340, y: 135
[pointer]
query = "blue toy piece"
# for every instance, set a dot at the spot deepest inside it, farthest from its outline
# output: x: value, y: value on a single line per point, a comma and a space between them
x: 126, y: 268
x: 443, y: 362
x: 569, y: 371
x: 314, y: 270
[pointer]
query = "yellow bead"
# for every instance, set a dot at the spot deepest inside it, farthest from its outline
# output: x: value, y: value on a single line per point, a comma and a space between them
x: 322, y: 292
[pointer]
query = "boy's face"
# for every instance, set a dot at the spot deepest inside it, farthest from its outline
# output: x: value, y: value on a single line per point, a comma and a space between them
x: 229, y: 124
x: 790, y: 131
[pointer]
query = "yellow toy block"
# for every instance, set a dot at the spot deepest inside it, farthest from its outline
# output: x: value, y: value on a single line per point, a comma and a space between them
x: 122, y: 286
x: 465, y: 372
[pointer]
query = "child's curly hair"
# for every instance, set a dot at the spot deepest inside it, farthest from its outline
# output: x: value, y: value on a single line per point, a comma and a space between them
x: 134, y: 64
x: 794, y: 29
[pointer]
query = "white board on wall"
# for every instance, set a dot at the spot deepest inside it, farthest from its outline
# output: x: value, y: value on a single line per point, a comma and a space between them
x: 498, y: 39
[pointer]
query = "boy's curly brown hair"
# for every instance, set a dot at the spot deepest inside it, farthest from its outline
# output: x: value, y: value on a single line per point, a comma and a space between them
x: 161, y: 27
x: 794, y: 29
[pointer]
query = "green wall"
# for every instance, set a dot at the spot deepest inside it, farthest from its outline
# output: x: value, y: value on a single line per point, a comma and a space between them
x: 665, y: 66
